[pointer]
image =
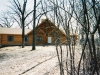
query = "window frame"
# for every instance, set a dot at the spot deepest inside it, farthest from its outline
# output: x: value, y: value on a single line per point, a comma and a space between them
x: 10, y: 39
x: 38, y: 38
x: 27, y: 38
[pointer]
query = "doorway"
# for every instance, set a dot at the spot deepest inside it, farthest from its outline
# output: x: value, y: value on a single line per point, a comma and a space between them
x: 49, y: 40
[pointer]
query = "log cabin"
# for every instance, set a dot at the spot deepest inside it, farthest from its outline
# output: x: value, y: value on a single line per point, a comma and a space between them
x: 46, y: 33
x: 12, y: 36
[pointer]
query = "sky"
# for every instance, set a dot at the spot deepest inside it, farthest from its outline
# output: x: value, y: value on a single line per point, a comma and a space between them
x: 3, y: 5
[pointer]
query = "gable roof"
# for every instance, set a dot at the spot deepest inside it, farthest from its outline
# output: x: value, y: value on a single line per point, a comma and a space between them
x: 51, y: 24
x: 13, y: 30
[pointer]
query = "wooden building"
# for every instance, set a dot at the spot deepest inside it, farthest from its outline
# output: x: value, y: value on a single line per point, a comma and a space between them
x: 12, y: 36
x: 46, y: 33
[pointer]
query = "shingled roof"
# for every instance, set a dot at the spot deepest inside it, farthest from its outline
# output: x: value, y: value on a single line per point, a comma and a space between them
x: 13, y: 30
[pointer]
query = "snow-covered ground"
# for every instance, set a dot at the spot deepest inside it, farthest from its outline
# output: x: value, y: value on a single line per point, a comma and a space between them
x: 22, y: 61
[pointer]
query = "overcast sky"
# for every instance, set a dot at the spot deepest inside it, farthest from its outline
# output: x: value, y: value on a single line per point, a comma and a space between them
x: 3, y: 5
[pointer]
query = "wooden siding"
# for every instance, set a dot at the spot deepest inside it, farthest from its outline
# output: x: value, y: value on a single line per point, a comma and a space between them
x: 17, y: 39
x: 29, y: 42
x: 62, y: 39
x: 43, y: 41
x: 44, y: 30
x: 0, y: 39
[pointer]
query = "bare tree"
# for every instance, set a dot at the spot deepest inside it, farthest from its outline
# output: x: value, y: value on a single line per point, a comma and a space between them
x: 20, y: 11
x: 37, y: 14
x: 6, y: 20
x: 86, y: 14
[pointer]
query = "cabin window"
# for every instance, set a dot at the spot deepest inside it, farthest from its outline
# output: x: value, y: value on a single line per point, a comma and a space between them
x: 39, y: 39
x: 26, y: 38
x: 10, y: 38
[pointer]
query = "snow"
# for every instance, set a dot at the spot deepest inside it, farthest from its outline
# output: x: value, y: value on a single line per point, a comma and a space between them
x: 22, y: 61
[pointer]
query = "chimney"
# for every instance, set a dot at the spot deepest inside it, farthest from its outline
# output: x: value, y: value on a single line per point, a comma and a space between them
x: 43, y: 20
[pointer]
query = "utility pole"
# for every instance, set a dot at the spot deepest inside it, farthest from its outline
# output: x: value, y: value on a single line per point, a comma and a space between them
x: 34, y: 29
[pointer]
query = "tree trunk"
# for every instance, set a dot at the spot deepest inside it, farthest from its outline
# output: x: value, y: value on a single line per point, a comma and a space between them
x: 23, y: 34
x: 34, y: 29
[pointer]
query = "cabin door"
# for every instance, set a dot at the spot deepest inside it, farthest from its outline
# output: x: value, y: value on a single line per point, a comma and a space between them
x: 49, y: 40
